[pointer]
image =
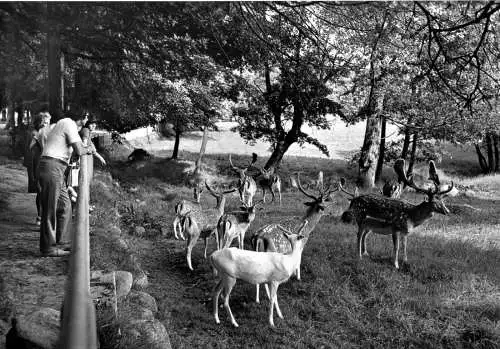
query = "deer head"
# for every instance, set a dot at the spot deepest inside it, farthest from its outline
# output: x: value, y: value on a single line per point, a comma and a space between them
x: 241, y: 171
x: 318, y: 201
x: 219, y: 195
x: 433, y: 194
x: 197, y: 193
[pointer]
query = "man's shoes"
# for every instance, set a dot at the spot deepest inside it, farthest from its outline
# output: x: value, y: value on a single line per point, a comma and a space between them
x: 56, y: 253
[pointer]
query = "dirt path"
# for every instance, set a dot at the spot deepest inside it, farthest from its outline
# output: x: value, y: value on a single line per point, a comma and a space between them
x: 27, y: 281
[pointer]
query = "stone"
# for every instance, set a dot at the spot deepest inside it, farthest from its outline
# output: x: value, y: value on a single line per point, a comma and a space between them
x: 124, y: 281
x: 141, y: 281
x: 145, y: 334
x: 143, y: 299
x: 139, y: 231
x: 39, y: 329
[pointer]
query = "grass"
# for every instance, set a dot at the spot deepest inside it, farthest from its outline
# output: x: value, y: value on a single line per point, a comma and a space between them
x: 447, y: 296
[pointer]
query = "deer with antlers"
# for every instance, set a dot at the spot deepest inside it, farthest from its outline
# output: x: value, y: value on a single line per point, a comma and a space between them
x: 234, y: 225
x: 269, y: 238
x: 382, y: 215
x: 247, y: 186
x: 203, y: 223
x: 269, y: 181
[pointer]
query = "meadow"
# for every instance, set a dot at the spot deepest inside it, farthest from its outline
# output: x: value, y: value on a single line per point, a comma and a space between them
x: 446, y: 296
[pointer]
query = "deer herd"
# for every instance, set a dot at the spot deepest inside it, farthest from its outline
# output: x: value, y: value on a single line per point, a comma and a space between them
x: 276, y: 248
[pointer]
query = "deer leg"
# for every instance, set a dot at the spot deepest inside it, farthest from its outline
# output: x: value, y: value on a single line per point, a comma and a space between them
x: 263, y: 194
x: 298, y: 267
x: 274, y: 303
x: 363, y: 242
x: 215, y: 298
x: 176, y: 223
x: 228, y: 287
x: 206, y: 245
x: 272, y: 193
x: 279, y: 193
x: 257, y: 290
x: 395, y: 241
x: 405, y: 257
x: 190, y: 244
x: 360, y: 235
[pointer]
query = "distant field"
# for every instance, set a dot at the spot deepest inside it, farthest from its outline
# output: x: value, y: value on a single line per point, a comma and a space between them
x: 340, y: 140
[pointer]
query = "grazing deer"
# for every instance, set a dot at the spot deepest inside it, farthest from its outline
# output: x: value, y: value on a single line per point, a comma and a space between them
x: 247, y: 185
x: 270, y: 268
x: 234, y: 224
x: 203, y: 223
x: 182, y: 208
x: 270, y: 238
x: 375, y: 213
x: 269, y: 181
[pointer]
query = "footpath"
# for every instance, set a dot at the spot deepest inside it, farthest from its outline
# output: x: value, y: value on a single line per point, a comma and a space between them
x: 28, y: 281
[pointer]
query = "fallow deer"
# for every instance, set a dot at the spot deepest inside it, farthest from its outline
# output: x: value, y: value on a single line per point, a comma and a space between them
x: 382, y: 215
x: 270, y: 268
x: 234, y: 225
x: 269, y: 180
x: 203, y: 223
x: 247, y: 185
x: 182, y: 208
x: 270, y: 238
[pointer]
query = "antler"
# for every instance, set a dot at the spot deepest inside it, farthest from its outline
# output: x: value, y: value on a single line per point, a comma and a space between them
x: 342, y: 182
x: 399, y: 168
x: 433, y: 173
x: 254, y: 160
x: 303, y: 190
x: 212, y: 191
x: 232, y: 166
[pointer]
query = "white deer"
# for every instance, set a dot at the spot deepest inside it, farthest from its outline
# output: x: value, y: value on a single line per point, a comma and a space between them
x: 203, y: 223
x: 270, y: 268
x: 270, y: 238
x: 247, y: 185
x: 182, y: 208
x: 382, y: 215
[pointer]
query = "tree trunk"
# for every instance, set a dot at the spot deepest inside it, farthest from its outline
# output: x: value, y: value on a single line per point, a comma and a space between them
x: 203, y: 148
x: 178, y: 133
x: 489, y: 152
x: 279, y: 151
x: 480, y: 157
x: 55, y: 60
x: 406, y: 141
x: 11, y: 123
x: 380, y: 162
x: 413, y: 154
x: 495, y: 149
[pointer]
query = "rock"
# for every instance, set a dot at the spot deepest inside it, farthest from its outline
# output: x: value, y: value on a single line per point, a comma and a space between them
x: 139, y: 231
x: 141, y: 281
x: 145, y: 334
x: 143, y: 299
x: 124, y: 281
x: 37, y: 330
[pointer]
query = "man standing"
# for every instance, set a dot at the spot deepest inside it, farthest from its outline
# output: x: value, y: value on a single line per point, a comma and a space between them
x: 61, y: 141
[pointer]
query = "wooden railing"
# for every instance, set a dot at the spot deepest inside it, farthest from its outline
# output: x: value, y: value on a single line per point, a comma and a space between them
x: 78, y: 328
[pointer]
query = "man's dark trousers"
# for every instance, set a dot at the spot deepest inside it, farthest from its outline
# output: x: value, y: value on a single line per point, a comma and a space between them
x: 56, y: 204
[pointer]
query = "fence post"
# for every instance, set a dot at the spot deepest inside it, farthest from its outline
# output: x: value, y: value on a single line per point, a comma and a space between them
x: 78, y: 328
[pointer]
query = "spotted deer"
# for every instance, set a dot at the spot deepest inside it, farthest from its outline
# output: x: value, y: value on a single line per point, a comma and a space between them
x: 234, y: 225
x: 247, y: 185
x: 182, y: 208
x: 270, y: 237
x: 269, y: 180
x: 203, y: 223
x: 382, y: 215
